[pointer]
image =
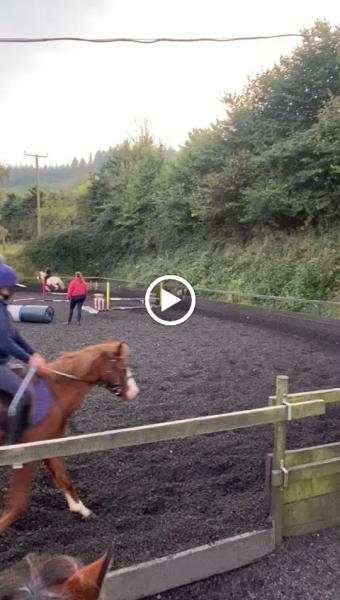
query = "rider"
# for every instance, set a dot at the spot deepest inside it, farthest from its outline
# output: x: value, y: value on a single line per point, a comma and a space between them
x: 13, y: 345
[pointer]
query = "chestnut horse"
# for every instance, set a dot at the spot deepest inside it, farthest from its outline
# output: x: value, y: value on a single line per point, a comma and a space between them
x: 69, y: 378
x: 54, y: 578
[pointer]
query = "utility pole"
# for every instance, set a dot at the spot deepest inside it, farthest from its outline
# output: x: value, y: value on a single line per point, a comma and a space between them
x: 36, y: 157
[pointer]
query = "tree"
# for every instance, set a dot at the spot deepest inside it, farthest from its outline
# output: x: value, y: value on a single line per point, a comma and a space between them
x: 272, y: 163
x: 288, y: 97
x: 4, y: 173
x: 4, y: 234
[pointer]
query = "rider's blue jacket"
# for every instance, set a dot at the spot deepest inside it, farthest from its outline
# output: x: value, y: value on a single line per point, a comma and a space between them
x: 11, y: 342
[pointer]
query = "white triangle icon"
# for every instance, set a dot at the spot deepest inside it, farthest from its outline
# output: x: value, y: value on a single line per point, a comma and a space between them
x: 168, y: 300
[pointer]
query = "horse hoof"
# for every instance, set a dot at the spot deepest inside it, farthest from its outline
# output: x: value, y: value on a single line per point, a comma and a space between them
x: 91, y: 517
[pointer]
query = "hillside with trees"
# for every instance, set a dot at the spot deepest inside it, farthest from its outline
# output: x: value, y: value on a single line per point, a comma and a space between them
x: 252, y: 203
x: 21, y: 177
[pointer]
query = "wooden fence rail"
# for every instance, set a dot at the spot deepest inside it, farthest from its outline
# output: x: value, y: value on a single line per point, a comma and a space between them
x: 147, y: 434
x: 329, y: 396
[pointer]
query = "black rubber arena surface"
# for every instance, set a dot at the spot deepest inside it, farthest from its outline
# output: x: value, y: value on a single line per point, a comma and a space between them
x: 157, y: 499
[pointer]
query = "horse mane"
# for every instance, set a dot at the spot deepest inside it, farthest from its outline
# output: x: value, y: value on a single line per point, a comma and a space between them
x: 80, y: 362
x: 35, y: 575
x: 46, y: 577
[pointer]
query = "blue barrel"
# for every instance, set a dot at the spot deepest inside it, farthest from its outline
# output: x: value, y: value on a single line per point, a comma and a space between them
x: 32, y: 313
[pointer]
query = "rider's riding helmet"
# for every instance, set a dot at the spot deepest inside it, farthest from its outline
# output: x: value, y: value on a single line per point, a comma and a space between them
x: 8, y: 277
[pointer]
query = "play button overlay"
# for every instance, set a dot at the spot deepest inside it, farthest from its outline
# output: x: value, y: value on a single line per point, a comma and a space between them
x: 170, y: 300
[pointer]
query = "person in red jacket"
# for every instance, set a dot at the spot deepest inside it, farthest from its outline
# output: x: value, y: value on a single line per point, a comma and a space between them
x: 76, y: 294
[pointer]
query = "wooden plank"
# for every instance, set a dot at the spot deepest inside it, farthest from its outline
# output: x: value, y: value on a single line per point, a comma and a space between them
x: 157, y: 576
x: 329, y: 395
x: 314, y: 470
x: 311, y: 510
x: 301, y: 490
x: 311, y: 527
x: 312, y: 454
x: 147, y: 434
x: 302, y: 456
x: 311, y: 408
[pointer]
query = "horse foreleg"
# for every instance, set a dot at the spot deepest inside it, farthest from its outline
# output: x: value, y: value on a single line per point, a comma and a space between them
x: 64, y: 484
x: 18, y: 495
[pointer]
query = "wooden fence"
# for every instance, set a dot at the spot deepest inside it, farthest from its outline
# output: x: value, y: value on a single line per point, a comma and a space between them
x: 147, y: 434
x: 287, y: 303
x: 164, y: 573
x: 307, y: 485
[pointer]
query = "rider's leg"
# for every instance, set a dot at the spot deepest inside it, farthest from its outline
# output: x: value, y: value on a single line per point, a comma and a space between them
x: 10, y: 383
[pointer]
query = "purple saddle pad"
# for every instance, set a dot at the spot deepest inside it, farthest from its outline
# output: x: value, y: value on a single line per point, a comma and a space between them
x: 42, y: 402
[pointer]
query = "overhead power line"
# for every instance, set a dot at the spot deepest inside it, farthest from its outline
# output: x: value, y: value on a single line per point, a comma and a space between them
x: 36, y: 40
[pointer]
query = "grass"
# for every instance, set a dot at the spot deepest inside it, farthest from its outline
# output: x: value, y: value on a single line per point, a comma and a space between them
x: 15, y: 256
x: 300, y: 265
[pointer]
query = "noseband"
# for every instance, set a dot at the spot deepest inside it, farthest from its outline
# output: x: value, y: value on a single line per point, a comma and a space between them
x: 118, y: 388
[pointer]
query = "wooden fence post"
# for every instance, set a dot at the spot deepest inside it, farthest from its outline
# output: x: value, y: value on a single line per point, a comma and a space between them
x: 280, y: 432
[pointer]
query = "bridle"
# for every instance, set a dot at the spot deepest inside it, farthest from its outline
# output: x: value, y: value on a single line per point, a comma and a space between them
x: 117, y: 388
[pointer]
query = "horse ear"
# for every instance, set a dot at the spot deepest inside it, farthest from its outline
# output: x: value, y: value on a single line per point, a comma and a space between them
x: 86, y: 583
x: 122, y: 350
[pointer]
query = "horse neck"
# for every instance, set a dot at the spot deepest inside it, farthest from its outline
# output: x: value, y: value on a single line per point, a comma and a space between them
x: 69, y: 393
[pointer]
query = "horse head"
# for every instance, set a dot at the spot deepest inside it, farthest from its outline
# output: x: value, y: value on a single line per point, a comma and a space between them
x: 114, y: 373
x: 103, y: 364
x: 54, y: 578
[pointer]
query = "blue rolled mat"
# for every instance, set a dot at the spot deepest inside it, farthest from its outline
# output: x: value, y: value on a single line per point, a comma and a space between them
x: 36, y: 314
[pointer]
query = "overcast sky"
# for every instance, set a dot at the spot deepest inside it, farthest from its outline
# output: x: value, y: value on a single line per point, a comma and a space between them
x: 71, y: 99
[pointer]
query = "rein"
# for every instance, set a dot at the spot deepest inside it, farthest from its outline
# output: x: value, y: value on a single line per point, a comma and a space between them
x: 67, y: 375
x: 116, y: 387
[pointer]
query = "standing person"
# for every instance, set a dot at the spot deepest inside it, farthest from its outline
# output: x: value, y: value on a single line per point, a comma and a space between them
x: 47, y: 274
x: 44, y: 275
x: 76, y: 294
x: 13, y: 345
